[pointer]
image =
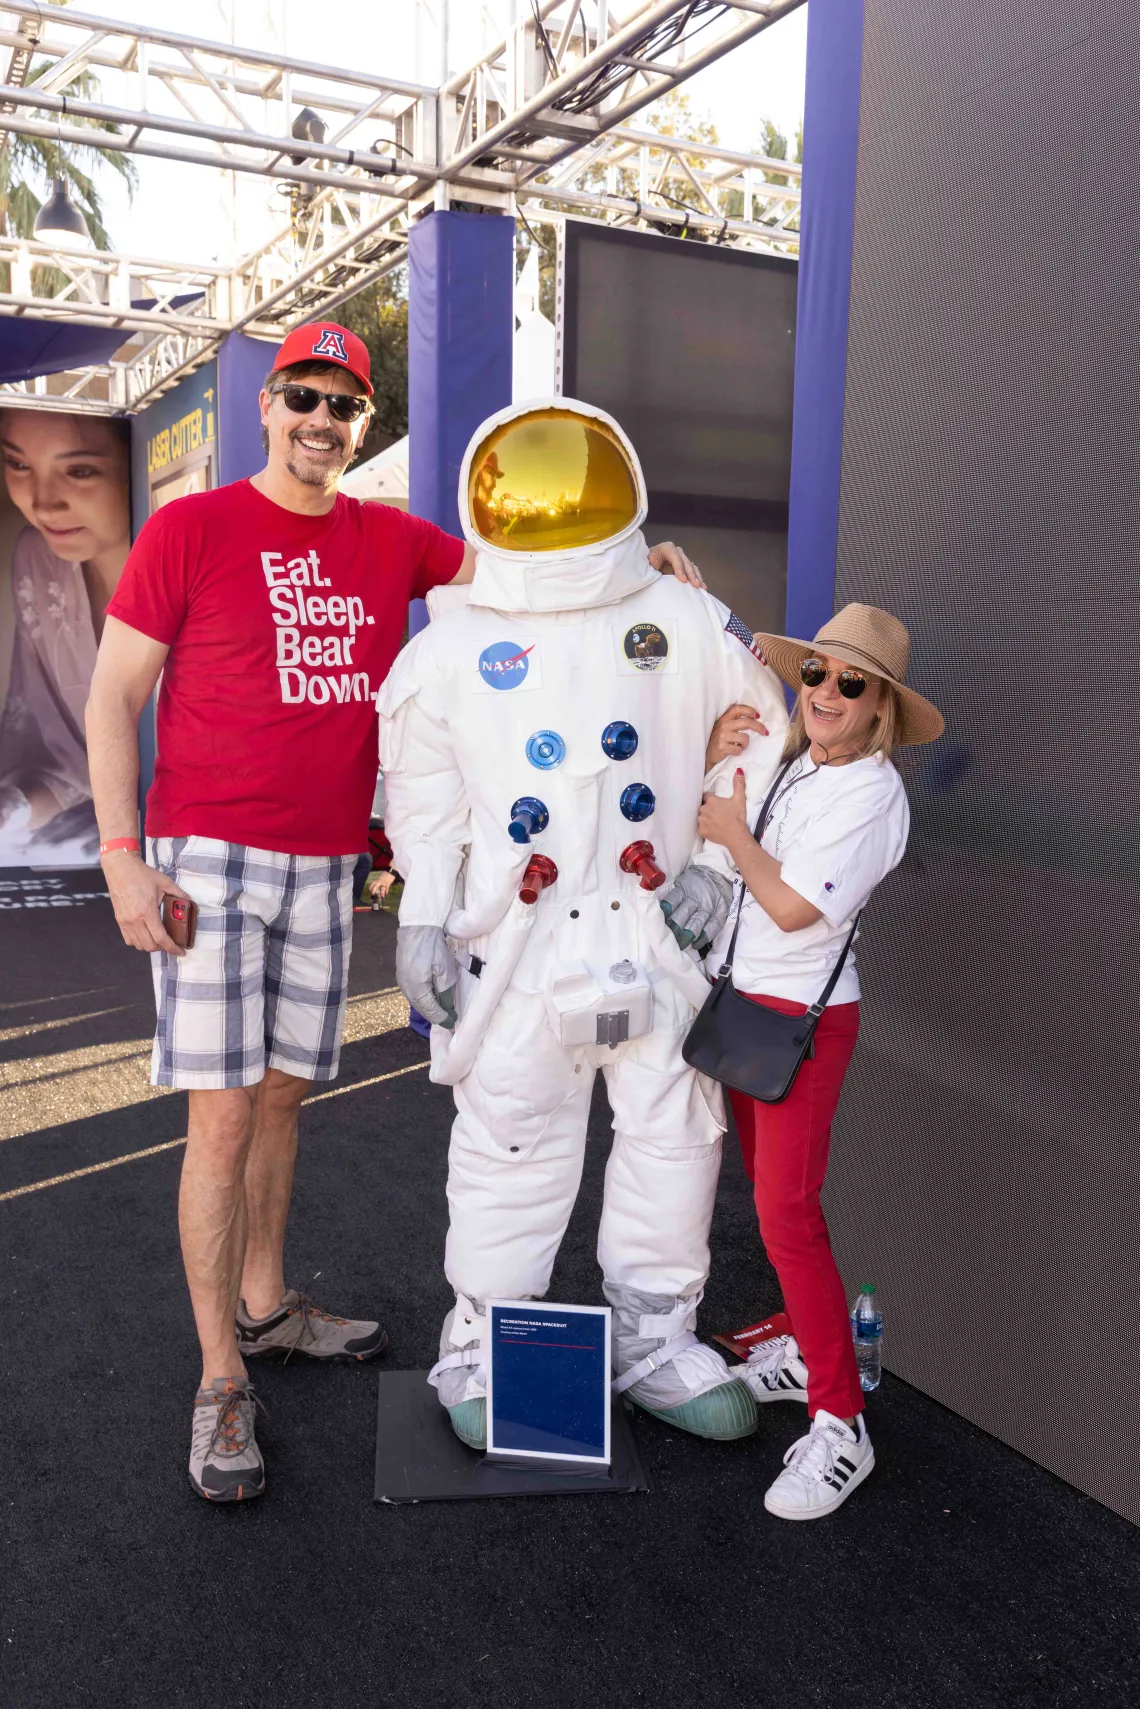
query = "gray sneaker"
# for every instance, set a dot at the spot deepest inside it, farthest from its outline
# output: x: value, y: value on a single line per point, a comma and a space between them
x: 302, y: 1327
x: 225, y: 1461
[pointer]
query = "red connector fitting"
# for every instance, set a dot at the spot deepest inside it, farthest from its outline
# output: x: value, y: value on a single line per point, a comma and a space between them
x: 639, y: 858
x: 540, y: 874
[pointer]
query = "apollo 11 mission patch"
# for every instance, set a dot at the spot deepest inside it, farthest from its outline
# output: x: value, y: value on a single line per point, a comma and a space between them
x: 646, y: 646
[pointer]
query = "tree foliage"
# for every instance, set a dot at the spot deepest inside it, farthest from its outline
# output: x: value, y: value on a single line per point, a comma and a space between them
x: 379, y: 315
x: 672, y: 116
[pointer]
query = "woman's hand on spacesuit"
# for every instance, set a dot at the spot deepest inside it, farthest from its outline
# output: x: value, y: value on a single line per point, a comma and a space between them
x: 723, y: 819
x: 731, y: 733
x: 427, y: 972
x: 669, y: 560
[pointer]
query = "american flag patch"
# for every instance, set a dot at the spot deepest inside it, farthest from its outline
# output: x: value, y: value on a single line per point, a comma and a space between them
x: 743, y: 633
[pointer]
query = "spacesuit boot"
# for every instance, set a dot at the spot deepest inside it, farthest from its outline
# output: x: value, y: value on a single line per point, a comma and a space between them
x: 460, y: 1377
x: 662, y: 1366
x: 543, y: 744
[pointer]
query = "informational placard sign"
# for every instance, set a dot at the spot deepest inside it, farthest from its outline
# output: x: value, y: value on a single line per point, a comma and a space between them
x: 548, y: 1382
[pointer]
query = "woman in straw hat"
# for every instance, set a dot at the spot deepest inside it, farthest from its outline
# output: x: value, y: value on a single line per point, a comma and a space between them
x: 838, y: 824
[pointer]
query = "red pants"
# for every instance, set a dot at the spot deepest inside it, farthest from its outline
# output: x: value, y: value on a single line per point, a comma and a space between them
x: 785, y: 1150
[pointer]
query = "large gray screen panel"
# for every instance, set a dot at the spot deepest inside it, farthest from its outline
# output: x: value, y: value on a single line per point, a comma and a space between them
x: 985, y: 1167
x: 691, y: 348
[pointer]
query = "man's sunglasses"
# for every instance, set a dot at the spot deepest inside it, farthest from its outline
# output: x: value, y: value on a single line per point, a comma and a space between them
x: 813, y: 672
x: 303, y: 400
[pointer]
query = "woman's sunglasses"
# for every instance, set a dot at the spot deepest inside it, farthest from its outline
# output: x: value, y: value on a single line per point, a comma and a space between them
x: 303, y: 400
x: 813, y: 672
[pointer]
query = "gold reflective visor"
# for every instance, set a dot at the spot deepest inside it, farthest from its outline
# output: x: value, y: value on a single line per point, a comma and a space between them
x: 550, y: 481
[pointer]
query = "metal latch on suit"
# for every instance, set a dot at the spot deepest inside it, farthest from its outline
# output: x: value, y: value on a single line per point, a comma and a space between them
x: 613, y: 1027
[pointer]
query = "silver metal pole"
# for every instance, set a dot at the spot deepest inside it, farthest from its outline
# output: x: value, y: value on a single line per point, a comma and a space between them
x: 200, y: 44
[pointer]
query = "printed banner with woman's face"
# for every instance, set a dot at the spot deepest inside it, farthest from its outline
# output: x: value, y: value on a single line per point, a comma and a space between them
x: 65, y: 531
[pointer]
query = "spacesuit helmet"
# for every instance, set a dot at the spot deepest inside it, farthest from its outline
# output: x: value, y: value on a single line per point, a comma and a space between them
x: 550, y: 479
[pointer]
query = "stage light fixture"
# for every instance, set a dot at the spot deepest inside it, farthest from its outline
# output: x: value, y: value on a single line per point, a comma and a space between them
x: 60, y: 222
x: 307, y: 127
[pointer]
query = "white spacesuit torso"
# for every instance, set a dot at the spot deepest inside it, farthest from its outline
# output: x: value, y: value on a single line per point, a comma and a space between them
x: 490, y: 706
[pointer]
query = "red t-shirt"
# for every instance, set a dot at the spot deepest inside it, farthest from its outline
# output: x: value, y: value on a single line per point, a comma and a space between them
x: 281, y: 629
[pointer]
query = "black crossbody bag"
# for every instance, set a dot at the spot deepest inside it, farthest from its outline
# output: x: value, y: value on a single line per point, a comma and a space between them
x: 742, y: 1044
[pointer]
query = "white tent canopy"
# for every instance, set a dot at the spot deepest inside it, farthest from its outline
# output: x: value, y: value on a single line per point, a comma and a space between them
x: 383, y: 477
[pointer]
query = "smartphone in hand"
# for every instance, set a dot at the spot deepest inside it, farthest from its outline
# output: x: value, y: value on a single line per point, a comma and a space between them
x: 180, y: 919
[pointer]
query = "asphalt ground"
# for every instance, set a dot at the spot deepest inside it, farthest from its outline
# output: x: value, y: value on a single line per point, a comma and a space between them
x: 959, y: 1574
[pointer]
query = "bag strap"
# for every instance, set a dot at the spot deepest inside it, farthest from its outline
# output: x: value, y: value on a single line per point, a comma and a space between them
x: 816, y: 1009
x: 820, y: 1004
x: 758, y: 831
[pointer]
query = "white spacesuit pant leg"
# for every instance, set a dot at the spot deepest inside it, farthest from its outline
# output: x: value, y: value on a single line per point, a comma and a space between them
x: 517, y: 1147
x: 662, y: 1174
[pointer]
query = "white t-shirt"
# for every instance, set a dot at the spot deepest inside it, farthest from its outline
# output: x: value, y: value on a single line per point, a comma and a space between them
x: 836, y: 831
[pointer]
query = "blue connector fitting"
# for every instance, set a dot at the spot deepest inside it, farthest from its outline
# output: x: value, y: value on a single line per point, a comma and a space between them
x: 619, y: 740
x: 528, y: 817
x: 637, y: 802
x: 545, y: 749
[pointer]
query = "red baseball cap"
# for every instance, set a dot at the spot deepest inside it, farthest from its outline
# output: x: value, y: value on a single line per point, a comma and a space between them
x: 325, y: 341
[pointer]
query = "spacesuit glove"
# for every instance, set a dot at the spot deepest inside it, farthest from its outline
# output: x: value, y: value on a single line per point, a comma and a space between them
x: 427, y: 972
x: 696, y: 904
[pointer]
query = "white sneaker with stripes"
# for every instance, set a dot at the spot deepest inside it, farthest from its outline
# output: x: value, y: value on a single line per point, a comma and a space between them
x: 821, y: 1469
x: 775, y: 1371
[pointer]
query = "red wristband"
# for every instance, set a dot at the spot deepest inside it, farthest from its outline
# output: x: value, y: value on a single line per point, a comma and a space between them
x: 131, y: 844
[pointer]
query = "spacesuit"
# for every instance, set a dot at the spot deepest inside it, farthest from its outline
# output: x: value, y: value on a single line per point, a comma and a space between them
x: 543, y: 746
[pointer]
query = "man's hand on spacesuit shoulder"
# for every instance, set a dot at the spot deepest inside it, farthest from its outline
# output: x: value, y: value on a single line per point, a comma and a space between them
x: 669, y: 560
x: 696, y: 904
x: 427, y: 972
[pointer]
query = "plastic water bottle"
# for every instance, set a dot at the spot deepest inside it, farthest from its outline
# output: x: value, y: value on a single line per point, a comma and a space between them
x: 867, y: 1332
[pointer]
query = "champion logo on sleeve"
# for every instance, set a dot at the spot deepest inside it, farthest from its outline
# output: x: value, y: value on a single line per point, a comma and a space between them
x: 828, y: 885
x: 743, y: 633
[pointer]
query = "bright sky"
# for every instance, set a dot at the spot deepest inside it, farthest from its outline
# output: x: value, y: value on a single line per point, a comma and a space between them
x: 183, y: 212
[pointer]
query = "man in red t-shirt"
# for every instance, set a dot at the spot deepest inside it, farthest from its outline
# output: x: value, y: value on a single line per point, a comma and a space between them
x: 272, y: 608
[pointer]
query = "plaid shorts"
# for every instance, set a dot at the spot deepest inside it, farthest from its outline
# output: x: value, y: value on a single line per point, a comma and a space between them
x: 264, y: 985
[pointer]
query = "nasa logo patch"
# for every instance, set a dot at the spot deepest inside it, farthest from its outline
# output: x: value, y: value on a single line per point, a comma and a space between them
x: 646, y: 646
x: 504, y: 664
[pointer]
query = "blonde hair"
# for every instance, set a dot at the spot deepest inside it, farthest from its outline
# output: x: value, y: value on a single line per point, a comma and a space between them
x: 882, y: 737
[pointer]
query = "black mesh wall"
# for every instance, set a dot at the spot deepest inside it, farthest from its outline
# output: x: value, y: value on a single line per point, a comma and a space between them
x: 986, y: 1168
x: 691, y: 348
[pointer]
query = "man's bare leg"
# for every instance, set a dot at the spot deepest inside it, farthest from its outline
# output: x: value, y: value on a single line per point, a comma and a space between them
x: 212, y: 1220
x: 269, y: 1188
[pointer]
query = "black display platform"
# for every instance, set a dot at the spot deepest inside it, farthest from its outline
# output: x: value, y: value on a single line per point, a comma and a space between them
x: 420, y: 1458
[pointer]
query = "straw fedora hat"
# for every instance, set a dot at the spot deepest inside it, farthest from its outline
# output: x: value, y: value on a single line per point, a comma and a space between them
x: 872, y: 641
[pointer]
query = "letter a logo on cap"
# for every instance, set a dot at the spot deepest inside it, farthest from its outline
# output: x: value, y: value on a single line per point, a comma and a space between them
x: 331, y: 343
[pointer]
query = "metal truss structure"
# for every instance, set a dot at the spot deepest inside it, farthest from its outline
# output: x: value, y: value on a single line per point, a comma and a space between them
x: 540, y: 124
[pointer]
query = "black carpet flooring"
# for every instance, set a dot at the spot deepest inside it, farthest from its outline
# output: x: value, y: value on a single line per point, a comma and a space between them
x: 960, y: 1574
